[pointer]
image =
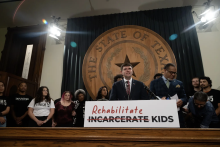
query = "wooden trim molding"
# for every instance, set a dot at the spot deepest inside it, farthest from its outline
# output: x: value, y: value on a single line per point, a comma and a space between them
x: 109, y: 136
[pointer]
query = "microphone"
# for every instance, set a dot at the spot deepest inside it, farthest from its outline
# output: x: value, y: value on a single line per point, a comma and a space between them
x: 151, y: 93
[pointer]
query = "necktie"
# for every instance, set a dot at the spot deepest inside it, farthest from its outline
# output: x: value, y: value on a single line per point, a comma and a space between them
x: 168, y: 83
x: 128, y: 87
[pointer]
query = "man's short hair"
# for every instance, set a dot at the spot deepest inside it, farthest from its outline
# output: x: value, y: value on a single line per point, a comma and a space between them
x: 21, y: 83
x: 118, y: 76
x: 168, y: 65
x: 158, y: 74
x: 125, y: 64
x: 201, y: 96
x: 207, y: 79
x: 195, y: 78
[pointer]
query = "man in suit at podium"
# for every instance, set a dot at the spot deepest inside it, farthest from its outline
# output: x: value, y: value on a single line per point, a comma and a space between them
x: 128, y: 88
x: 167, y: 86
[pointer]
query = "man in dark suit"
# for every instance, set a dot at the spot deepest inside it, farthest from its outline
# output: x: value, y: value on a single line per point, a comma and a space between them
x: 128, y: 88
x: 167, y: 86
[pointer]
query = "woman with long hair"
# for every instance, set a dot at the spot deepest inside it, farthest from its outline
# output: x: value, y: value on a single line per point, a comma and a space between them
x: 41, y: 109
x: 102, y: 94
x: 64, y: 111
x: 4, y: 105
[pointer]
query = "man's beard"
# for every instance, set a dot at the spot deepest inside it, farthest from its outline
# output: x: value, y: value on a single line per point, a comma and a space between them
x: 204, y: 87
x: 197, y: 86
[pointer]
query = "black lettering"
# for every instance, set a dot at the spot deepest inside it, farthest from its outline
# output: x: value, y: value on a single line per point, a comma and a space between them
x: 170, y: 118
x: 158, y: 118
x: 93, y: 119
x: 99, y: 119
x: 122, y: 118
x: 154, y: 119
x: 88, y: 119
x: 146, y: 119
x: 134, y: 119
x: 128, y: 118
x: 140, y: 118
x: 111, y: 119
x: 117, y: 119
x: 163, y: 118
x: 105, y: 119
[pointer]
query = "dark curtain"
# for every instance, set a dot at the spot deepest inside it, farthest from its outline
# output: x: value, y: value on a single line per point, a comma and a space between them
x: 83, y: 31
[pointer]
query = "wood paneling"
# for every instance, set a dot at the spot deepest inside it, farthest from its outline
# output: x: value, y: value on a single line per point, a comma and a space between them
x: 108, y: 137
x: 13, y: 55
x: 11, y: 84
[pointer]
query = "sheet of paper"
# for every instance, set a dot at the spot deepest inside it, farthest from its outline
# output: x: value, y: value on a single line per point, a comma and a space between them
x: 175, y: 97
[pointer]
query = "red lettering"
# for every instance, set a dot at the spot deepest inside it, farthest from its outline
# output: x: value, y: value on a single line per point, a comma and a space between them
x: 123, y: 110
x: 131, y: 111
x: 140, y: 111
x: 136, y: 109
x: 108, y: 111
x: 126, y: 109
x: 119, y: 109
x: 103, y: 109
x: 112, y: 111
x: 94, y: 110
x: 99, y: 111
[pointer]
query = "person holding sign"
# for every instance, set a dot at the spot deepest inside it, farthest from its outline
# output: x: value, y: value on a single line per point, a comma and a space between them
x: 203, y: 112
x: 167, y: 86
x: 128, y: 88
x: 41, y: 109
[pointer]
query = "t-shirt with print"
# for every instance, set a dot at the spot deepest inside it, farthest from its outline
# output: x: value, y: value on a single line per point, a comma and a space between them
x: 4, y: 103
x: 41, y: 108
x: 214, y: 97
x: 20, y: 103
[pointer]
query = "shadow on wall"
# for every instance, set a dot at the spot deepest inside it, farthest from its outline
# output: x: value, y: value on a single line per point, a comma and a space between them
x: 218, y: 88
x: 167, y: 4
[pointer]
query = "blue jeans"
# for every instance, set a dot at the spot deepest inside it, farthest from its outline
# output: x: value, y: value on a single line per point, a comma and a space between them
x: 3, y: 125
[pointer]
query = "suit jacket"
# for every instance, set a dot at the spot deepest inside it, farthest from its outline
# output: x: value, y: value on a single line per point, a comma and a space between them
x: 159, y: 88
x: 138, y: 92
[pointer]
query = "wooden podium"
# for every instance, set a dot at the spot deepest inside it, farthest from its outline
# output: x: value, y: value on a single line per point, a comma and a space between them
x: 108, y: 137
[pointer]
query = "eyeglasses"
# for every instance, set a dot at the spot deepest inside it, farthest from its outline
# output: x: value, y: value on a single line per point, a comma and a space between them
x: 172, y: 72
x: 201, y: 105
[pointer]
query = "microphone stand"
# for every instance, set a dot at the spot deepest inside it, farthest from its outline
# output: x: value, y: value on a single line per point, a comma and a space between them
x: 151, y: 93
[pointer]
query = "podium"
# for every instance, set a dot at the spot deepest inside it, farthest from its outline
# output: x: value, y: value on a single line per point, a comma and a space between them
x: 108, y: 137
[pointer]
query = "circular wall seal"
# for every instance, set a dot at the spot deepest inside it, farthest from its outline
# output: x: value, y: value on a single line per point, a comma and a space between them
x: 146, y: 50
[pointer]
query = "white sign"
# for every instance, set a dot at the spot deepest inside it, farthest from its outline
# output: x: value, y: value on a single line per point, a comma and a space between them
x: 144, y: 113
x: 27, y: 61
